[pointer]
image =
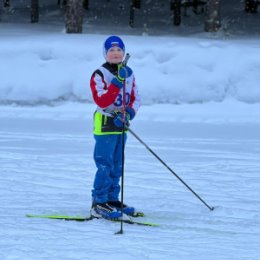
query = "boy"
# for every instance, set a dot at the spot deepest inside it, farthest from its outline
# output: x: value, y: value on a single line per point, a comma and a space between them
x: 107, y: 85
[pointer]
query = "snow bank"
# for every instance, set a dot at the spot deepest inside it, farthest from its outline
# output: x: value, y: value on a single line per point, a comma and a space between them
x: 43, y: 68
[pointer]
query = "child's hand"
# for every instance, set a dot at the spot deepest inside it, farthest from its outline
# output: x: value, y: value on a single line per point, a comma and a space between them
x: 118, y: 120
x: 123, y: 73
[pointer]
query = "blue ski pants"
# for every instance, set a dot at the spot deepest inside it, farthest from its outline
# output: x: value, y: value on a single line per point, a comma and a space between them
x: 108, y: 159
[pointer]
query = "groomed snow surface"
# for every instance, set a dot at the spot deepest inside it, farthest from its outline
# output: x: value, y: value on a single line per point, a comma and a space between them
x: 47, y: 167
x: 200, y: 114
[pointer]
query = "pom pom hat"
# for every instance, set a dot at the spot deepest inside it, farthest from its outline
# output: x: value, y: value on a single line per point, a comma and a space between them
x: 113, y: 41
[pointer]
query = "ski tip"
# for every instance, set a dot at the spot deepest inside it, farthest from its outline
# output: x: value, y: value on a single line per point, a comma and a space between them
x: 80, y: 218
x: 151, y: 224
x: 148, y: 224
x: 60, y: 217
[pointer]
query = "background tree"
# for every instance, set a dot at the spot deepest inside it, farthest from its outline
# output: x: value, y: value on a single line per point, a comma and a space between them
x: 175, y: 5
x: 212, y: 22
x: 74, y: 16
x: 6, y: 3
x: 251, y: 6
x: 34, y: 11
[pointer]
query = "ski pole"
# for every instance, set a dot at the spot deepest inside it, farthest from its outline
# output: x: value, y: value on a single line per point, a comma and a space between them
x: 123, y: 149
x: 185, y: 184
x: 123, y: 163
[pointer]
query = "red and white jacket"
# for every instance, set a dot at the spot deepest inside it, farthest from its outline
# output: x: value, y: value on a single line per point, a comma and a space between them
x: 107, y: 96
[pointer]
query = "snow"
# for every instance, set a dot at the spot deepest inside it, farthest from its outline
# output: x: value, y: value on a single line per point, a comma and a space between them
x: 200, y: 114
x: 47, y: 167
x: 187, y: 70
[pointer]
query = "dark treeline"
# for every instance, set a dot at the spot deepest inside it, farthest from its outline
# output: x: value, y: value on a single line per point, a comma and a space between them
x: 74, y: 10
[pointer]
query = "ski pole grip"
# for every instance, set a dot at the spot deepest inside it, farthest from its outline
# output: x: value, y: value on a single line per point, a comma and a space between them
x: 127, y: 57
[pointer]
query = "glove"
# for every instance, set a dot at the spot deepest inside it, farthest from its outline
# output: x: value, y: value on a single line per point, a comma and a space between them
x: 123, y: 73
x: 131, y: 112
x: 118, y: 119
x: 129, y: 115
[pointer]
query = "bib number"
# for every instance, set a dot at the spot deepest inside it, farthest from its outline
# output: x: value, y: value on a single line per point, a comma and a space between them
x: 119, y: 100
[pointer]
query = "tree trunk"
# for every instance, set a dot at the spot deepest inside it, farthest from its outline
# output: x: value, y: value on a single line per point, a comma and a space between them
x: 132, y: 16
x: 74, y: 16
x: 34, y: 11
x: 212, y: 22
x: 251, y: 6
x: 61, y: 4
x: 86, y: 4
x: 176, y: 7
x: 6, y: 3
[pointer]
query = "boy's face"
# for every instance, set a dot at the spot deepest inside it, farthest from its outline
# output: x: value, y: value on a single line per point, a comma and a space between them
x: 115, y: 55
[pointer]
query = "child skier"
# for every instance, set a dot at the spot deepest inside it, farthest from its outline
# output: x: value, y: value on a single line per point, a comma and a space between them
x: 107, y: 85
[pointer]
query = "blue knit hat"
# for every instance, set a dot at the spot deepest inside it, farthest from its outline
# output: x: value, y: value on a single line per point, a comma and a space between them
x: 113, y: 41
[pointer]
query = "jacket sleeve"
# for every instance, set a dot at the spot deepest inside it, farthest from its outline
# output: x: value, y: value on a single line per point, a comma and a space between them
x: 104, y: 95
x: 135, y: 101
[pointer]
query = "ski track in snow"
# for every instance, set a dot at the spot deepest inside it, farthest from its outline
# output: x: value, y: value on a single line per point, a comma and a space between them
x: 47, y: 167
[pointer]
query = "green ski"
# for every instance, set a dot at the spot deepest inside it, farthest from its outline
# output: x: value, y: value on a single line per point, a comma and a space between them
x: 84, y: 219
